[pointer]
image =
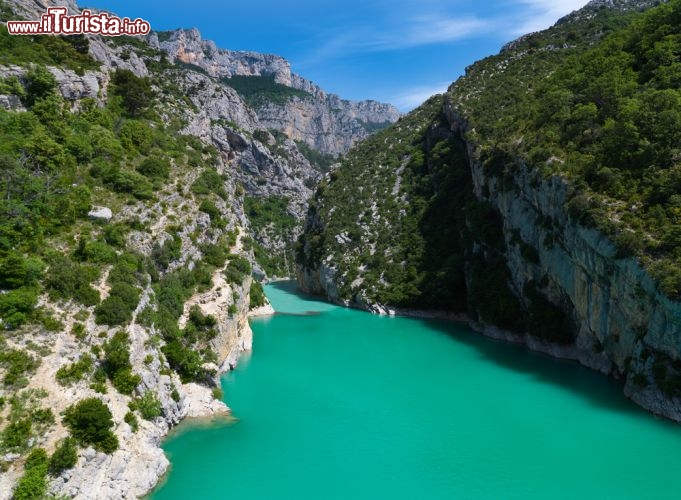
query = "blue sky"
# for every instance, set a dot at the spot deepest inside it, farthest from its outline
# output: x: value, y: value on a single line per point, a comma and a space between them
x: 397, y: 51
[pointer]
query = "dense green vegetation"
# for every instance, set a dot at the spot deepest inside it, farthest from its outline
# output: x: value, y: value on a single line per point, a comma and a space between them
x: 117, y: 363
x: 33, y: 484
x: 257, y: 295
x: 67, y: 51
x: 64, y: 457
x: 594, y: 99
x: 320, y: 161
x: 393, y: 218
x: 606, y: 117
x: 259, y: 90
x: 271, y: 220
x: 90, y: 422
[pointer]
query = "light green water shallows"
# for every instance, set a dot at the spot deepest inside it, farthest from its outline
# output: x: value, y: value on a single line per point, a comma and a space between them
x: 343, y: 404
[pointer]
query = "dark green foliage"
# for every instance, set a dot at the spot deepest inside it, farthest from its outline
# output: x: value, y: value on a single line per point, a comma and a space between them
x: 209, y: 181
x: 163, y: 255
x: 68, y: 280
x: 16, y: 307
x: 259, y: 90
x: 18, y: 366
x: 64, y: 457
x: 132, y: 421
x: 118, y: 307
x: 46, y: 50
x: 117, y: 363
x: 16, y: 434
x: 90, y: 422
x: 40, y: 83
x: 602, y: 111
x: 257, y: 295
x: 237, y: 269
x: 125, y: 381
x: 211, y: 209
x: 155, y: 168
x: 185, y: 361
x: 75, y: 372
x: 181, y: 349
x: 117, y: 352
x: 37, y: 458
x: 319, y: 161
x: 114, y: 235
x: 135, y: 92
x: 33, y: 484
x: 123, y: 297
x: 149, y: 406
x: 270, y: 217
x: 272, y: 210
x: 215, y: 255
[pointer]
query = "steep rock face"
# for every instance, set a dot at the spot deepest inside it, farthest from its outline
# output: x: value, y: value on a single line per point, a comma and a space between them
x: 324, y: 121
x: 527, y: 257
x: 218, y: 118
x: 620, y: 314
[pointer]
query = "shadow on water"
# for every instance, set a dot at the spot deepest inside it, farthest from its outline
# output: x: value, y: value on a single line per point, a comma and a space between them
x: 596, y: 388
x: 291, y: 286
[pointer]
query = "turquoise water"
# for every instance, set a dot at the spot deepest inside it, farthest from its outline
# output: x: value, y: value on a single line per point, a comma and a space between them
x: 336, y: 403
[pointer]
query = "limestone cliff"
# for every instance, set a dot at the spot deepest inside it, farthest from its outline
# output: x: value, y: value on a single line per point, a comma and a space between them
x: 466, y: 220
x: 324, y: 121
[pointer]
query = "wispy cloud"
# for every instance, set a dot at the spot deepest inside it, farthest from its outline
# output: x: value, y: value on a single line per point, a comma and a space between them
x: 428, y: 30
x: 410, y: 98
x: 540, y: 14
x: 415, y: 32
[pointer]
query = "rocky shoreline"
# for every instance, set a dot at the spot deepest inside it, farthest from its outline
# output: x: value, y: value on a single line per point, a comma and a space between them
x: 650, y: 398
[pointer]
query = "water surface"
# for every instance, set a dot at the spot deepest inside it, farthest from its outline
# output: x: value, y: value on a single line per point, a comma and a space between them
x: 336, y: 403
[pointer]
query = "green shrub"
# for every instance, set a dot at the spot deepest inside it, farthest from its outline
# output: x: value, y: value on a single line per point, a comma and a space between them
x: 37, y: 458
x: 18, y: 365
x: 131, y: 420
x: 155, y: 168
x: 66, y: 279
x: 90, y: 422
x: 64, y: 457
x: 237, y: 269
x: 16, y: 307
x: 257, y: 295
x: 125, y: 381
x: 16, y: 435
x: 211, y: 209
x: 135, y: 92
x: 75, y: 372
x: 40, y: 83
x: 215, y: 255
x: 149, y: 406
x: 209, y: 181
x: 33, y: 484
x: 118, y: 307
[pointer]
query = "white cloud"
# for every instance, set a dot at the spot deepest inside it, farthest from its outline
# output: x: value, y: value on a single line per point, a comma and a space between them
x: 413, y: 97
x: 544, y: 13
x: 414, y: 32
x: 428, y: 30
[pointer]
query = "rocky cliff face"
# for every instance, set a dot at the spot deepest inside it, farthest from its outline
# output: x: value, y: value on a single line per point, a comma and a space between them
x: 529, y: 270
x: 250, y: 161
x: 323, y: 121
x: 624, y: 325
